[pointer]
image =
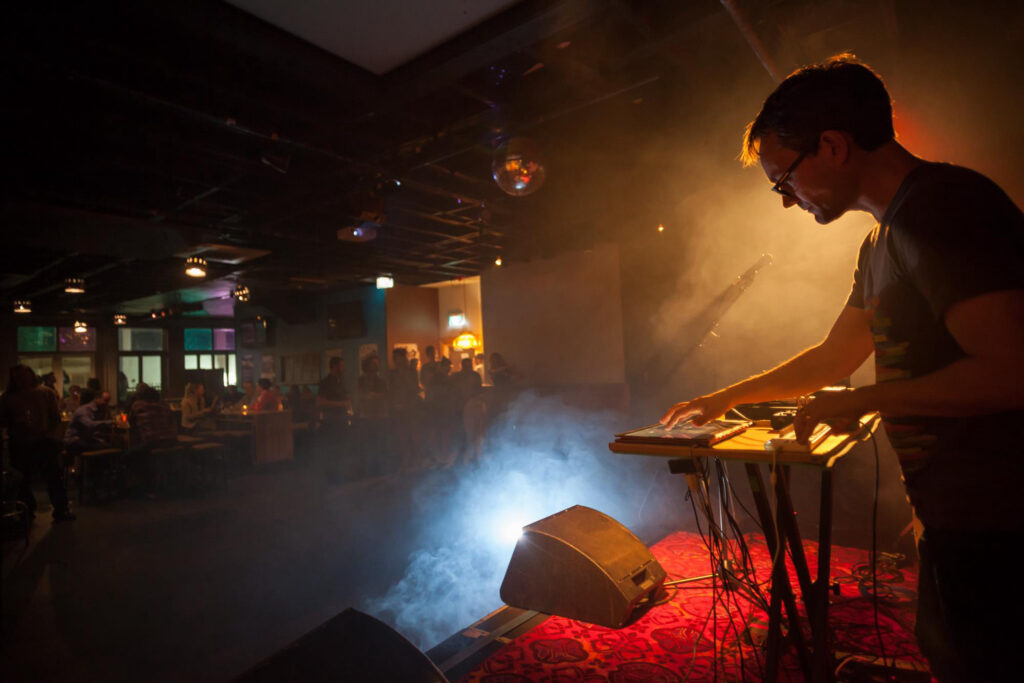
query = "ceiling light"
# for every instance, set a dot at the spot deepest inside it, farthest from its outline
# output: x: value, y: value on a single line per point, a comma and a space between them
x: 241, y: 293
x: 23, y: 306
x: 385, y: 282
x: 195, y: 266
x: 80, y: 327
x: 120, y: 319
x: 661, y: 228
x: 74, y: 285
x: 497, y: 261
x: 465, y: 342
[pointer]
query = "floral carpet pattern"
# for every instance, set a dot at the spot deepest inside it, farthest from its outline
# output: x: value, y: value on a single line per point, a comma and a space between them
x: 685, y: 640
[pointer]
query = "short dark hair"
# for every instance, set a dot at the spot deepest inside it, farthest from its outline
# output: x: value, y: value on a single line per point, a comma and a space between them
x: 264, y: 383
x: 335, y: 360
x: 840, y: 93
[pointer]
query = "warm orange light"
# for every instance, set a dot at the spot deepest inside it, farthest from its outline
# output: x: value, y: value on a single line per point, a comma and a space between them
x: 465, y: 342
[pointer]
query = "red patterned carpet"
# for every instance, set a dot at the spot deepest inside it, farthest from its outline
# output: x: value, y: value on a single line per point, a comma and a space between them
x: 678, y: 640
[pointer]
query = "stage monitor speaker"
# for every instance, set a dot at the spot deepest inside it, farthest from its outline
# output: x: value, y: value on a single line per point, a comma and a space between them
x: 581, y: 564
x: 350, y: 647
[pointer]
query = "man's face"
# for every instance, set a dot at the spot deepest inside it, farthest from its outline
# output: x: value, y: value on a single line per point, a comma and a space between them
x: 103, y: 399
x: 338, y: 368
x: 811, y: 185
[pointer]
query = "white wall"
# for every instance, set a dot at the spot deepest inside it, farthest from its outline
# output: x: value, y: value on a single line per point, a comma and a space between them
x: 558, y: 321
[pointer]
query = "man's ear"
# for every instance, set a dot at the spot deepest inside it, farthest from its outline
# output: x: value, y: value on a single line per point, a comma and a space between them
x: 835, y: 145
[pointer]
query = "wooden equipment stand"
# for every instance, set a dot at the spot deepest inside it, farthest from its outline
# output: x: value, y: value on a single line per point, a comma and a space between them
x: 780, y: 529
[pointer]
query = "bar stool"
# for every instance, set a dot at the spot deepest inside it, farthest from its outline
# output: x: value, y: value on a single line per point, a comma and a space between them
x: 168, y: 458
x: 86, y: 462
x: 210, y: 454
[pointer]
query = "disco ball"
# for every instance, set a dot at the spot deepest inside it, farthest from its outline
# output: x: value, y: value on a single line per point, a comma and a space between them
x: 518, y: 168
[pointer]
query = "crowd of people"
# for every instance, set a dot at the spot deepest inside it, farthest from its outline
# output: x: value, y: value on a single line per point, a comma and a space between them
x: 408, y: 418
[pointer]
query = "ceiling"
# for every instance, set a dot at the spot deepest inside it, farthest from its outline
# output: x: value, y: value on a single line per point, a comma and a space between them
x: 252, y: 133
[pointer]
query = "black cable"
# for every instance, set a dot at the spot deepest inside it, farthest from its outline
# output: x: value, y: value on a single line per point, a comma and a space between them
x: 874, y: 552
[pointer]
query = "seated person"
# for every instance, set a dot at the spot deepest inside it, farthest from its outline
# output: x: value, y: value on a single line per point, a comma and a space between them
x: 249, y: 393
x: 268, y: 400
x: 194, y: 411
x: 90, y: 424
x: 232, y: 397
x: 153, y: 426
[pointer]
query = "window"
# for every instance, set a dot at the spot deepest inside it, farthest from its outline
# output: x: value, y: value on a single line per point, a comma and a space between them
x: 37, y: 339
x: 141, y: 358
x: 148, y: 368
x: 140, y: 339
x: 199, y: 340
x: 214, y: 361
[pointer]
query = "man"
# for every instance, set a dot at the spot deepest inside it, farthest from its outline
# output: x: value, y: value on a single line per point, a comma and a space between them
x: 90, y: 425
x: 938, y: 295
x: 332, y: 395
x: 29, y: 414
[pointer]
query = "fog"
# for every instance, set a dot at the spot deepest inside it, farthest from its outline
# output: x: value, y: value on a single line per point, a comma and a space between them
x: 540, y: 456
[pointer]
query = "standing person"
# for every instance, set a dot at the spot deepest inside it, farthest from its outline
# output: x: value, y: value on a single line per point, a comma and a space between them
x: 938, y: 295
x: 29, y: 415
x: 332, y: 396
x: 50, y: 384
x: 70, y: 403
x: 404, y: 395
x: 428, y: 371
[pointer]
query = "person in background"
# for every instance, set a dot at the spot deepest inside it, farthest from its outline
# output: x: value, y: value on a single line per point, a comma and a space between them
x: 292, y: 399
x: 371, y: 390
x: 50, y: 384
x: 268, y: 400
x: 232, y: 397
x: 332, y: 396
x: 29, y: 415
x: 467, y: 380
x: 93, y: 385
x: 500, y: 371
x: 249, y: 393
x: 152, y: 425
x: 403, y: 385
x: 70, y: 403
x: 429, y: 370
x: 90, y: 424
x: 193, y: 407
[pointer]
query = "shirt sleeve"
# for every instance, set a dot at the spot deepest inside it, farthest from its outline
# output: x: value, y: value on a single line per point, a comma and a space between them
x: 958, y: 241
x: 856, y: 298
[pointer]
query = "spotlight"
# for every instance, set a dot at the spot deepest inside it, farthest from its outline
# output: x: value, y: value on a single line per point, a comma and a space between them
x: 80, y: 327
x: 74, y: 285
x: 23, y: 306
x: 385, y: 282
x: 241, y: 293
x: 120, y: 319
x: 661, y: 228
x: 195, y: 266
x: 497, y: 262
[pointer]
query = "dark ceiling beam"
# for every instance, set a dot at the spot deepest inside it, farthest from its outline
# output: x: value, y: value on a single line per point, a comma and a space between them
x: 518, y: 27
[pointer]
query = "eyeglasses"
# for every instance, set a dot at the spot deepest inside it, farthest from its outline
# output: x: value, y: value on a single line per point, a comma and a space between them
x: 777, y: 187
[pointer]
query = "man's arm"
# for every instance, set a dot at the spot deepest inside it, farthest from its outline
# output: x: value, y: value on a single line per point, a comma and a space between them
x: 847, y: 345
x: 990, y: 329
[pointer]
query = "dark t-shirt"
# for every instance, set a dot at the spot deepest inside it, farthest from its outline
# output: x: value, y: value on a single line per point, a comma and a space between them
x: 949, y: 234
x: 332, y: 388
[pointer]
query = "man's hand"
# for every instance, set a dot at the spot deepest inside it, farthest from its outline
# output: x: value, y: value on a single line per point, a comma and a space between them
x: 826, y: 407
x: 703, y: 409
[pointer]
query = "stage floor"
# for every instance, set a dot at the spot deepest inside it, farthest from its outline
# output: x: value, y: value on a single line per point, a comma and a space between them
x: 702, y: 632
